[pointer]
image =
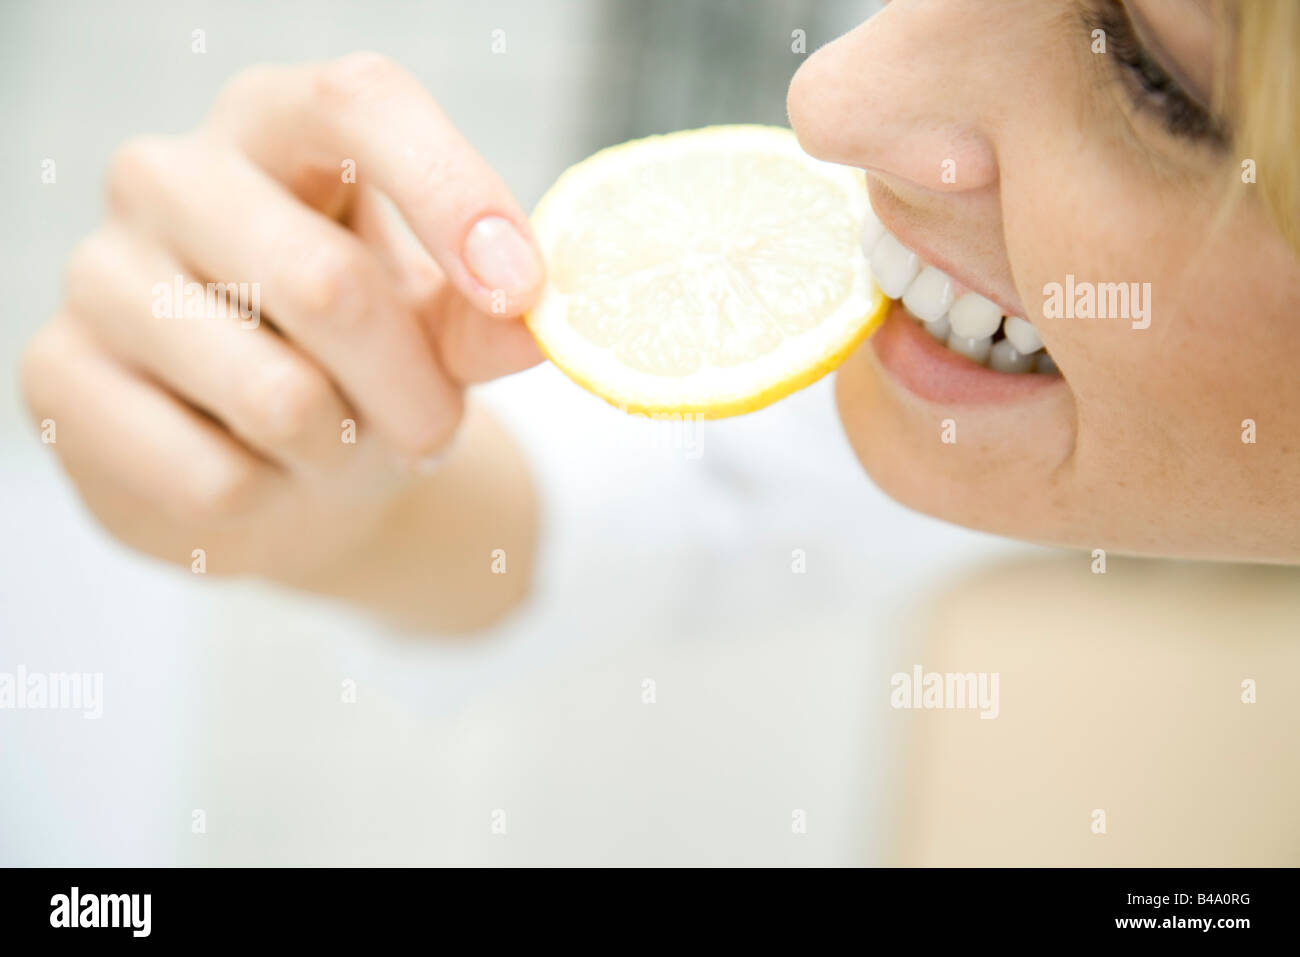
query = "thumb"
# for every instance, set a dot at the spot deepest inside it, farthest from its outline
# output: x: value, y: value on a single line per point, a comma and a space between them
x: 474, y: 346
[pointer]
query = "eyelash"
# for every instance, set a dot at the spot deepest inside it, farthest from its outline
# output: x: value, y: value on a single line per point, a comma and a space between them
x: 1148, y: 84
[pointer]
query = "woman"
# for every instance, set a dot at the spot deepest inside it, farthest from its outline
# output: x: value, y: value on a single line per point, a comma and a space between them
x: 1004, y: 144
x: 1095, y: 152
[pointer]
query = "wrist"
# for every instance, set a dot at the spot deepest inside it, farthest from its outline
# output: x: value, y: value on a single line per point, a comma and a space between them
x: 453, y: 550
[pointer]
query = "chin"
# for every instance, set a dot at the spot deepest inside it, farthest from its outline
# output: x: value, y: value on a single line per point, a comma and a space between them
x: 996, y: 466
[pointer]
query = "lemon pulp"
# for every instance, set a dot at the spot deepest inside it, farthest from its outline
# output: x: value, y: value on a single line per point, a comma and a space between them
x: 707, y: 272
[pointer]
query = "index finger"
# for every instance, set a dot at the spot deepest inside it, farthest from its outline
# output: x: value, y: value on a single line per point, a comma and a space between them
x: 364, y: 108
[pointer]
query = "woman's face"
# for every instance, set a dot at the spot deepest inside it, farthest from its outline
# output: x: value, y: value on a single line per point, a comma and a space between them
x: 1001, y: 148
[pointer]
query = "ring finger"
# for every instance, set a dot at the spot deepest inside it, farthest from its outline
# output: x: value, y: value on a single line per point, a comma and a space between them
x: 269, y: 395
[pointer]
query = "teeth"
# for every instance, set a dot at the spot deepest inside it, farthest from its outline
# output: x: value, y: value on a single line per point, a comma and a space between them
x: 974, y: 317
x: 967, y: 324
x: 929, y: 297
x: 894, y: 265
x: 1005, y: 357
x: 974, y: 348
x: 872, y: 230
x: 939, y: 328
x: 1022, y: 335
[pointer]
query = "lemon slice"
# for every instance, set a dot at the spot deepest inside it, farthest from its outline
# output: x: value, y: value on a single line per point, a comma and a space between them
x: 707, y: 273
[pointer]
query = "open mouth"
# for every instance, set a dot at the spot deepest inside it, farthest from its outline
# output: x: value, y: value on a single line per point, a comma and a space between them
x: 964, y: 322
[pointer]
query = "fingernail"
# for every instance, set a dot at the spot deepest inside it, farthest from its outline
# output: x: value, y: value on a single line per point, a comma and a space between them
x: 501, y: 258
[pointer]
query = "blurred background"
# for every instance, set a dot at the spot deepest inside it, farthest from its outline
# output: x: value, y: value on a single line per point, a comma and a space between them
x: 667, y: 558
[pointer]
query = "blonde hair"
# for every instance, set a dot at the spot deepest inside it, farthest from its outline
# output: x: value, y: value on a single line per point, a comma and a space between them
x: 1264, y: 93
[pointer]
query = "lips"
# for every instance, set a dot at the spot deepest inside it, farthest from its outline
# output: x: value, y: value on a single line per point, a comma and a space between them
x: 934, y: 372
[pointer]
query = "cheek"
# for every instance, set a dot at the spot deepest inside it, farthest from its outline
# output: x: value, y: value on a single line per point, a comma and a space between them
x: 1159, y: 461
x: 1175, y: 390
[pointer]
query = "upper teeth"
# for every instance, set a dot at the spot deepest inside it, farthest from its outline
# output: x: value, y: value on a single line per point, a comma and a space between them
x: 968, y: 324
x: 1022, y: 334
x: 894, y: 265
x: 973, y: 315
x: 929, y: 297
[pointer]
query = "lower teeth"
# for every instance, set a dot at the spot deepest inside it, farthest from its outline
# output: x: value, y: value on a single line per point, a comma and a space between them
x: 1003, y: 357
x: 996, y: 352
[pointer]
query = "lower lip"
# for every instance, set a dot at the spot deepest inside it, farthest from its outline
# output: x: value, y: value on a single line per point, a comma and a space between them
x: 926, y: 367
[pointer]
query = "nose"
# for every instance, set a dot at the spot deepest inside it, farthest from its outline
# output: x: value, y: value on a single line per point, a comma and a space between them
x: 900, y: 96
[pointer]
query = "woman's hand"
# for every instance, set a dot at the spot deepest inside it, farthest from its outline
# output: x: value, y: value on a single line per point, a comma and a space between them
x: 372, y: 266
